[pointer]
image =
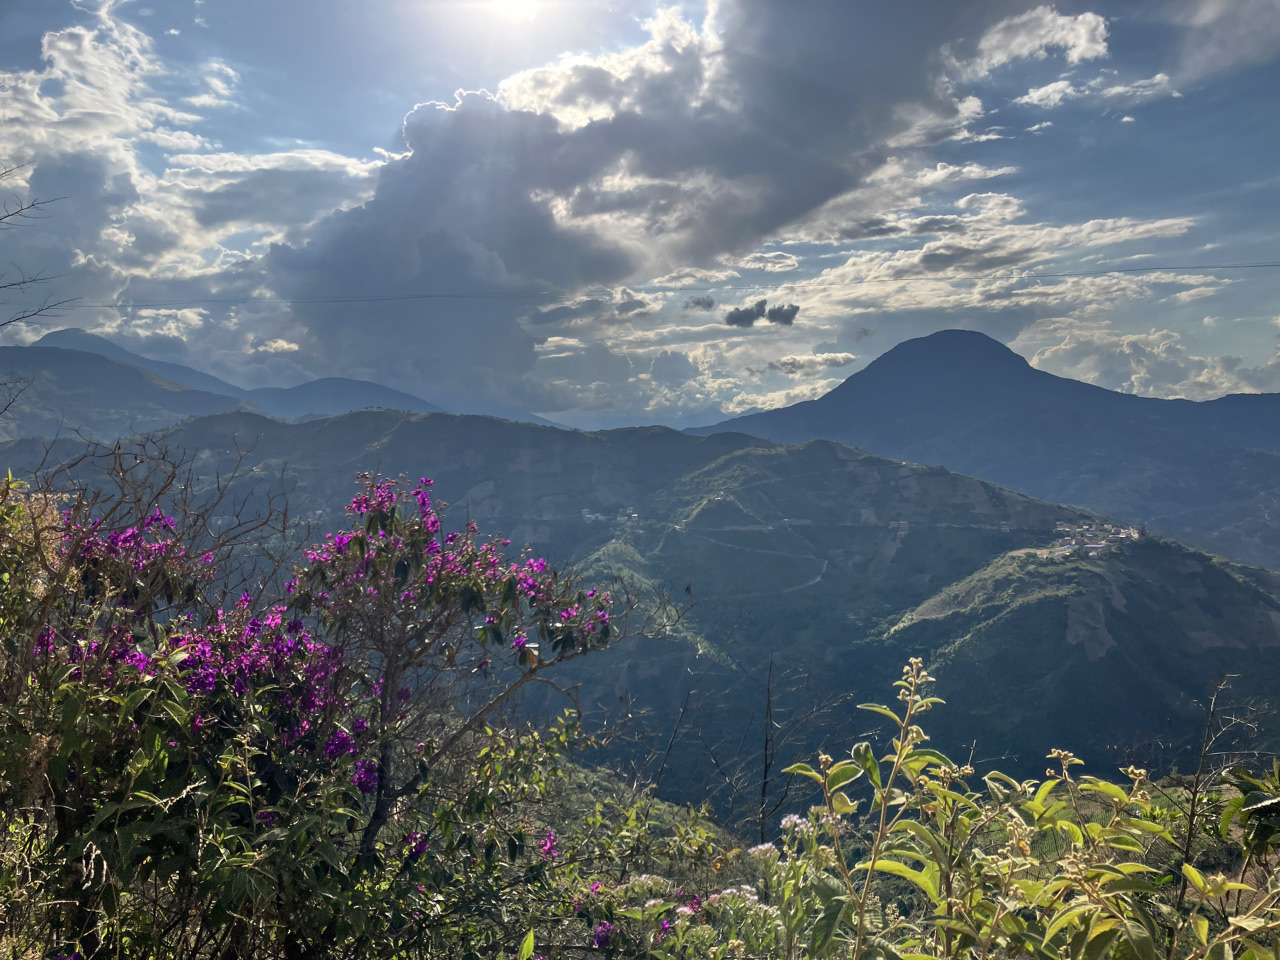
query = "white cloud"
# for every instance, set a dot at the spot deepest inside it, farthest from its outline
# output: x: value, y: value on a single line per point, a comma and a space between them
x: 1033, y: 34
x: 1051, y: 94
x: 1225, y: 34
x: 776, y: 261
x: 278, y: 345
x: 1152, y: 363
x: 805, y: 365
x: 1157, y: 86
x: 1059, y: 91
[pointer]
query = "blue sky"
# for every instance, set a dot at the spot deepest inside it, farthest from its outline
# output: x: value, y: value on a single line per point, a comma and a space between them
x: 613, y: 213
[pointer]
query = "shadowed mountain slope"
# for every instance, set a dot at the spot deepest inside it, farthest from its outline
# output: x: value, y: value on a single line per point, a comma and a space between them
x: 819, y: 565
x: 58, y: 392
x: 324, y: 398
x: 1208, y: 472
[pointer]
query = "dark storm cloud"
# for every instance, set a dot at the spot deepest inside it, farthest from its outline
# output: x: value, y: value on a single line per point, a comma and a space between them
x: 746, y: 316
x: 700, y: 303
x: 784, y: 315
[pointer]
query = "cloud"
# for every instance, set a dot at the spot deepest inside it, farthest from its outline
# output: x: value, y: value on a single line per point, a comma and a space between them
x: 689, y: 276
x: 775, y: 262
x: 1152, y: 363
x: 1051, y: 94
x: 746, y: 316
x: 783, y: 314
x: 703, y: 303
x: 805, y: 366
x: 1033, y: 34
x: 1222, y: 35
x: 1056, y: 93
x: 672, y: 367
x: 278, y: 346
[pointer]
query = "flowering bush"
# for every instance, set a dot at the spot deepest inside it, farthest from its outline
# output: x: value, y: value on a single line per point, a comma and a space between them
x: 334, y: 769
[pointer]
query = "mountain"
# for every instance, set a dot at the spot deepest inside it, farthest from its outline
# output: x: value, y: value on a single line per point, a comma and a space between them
x: 73, y: 339
x: 331, y: 396
x: 1207, y: 472
x: 813, y: 571
x: 55, y: 392
x: 327, y: 397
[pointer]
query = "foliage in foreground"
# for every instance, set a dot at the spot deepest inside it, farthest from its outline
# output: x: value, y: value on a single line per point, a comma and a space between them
x: 341, y: 772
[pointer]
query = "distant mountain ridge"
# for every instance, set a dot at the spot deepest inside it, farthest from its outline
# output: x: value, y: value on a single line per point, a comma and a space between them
x: 326, y: 397
x: 54, y: 392
x: 1208, y: 471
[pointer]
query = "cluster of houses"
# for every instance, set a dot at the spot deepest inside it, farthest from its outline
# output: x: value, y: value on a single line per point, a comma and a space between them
x: 1090, y: 538
x: 628, y: 515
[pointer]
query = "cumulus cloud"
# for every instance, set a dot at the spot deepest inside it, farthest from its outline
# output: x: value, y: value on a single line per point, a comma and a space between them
x: 703, y: 303
x: 774, y: 262
x: 746, y: 316
x: 805, y: 366
x: 1152, y: 363
x: 1031, y: 35
x: 783, y: 314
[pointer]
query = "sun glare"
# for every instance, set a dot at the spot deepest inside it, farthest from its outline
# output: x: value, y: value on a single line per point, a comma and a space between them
x: 517, y: 11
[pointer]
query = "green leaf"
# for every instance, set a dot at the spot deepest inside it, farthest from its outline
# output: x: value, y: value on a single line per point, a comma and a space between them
x: 1065, y: 916
x: 804, y: 770
x: 842, y: 773
x: 1139, y: 938
x: 842, y: 805
x: 882, y: 710
x: 526, y: 948
x: 1201, y: 926
x: 1110, y: 790
x: 824, y: 928
x: 920, y: 878
x: 864, y: 758
x: 1194, y: 877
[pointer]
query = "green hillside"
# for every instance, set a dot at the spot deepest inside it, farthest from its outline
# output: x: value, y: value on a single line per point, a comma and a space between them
x: 814, y: 567
x: 1112, y: 654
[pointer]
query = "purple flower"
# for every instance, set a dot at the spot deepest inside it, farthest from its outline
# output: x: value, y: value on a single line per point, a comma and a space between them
x: 603, y: 932
x: 360, y: 725
x: 548, y: 846
x: 44, y: 642
x: 365, y: 777
x: 339, y: 744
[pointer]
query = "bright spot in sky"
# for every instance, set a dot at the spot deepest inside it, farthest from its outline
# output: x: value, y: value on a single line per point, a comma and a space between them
x: 517, y: 11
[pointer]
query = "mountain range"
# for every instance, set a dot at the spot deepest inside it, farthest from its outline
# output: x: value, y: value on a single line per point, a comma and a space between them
x: 1204, y: 472
x: 814, y: 571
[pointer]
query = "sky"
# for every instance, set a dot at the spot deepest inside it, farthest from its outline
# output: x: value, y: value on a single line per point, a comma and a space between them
x: 627, y: 212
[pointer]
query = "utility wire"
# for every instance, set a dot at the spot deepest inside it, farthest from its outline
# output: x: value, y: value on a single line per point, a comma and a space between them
x: 152, y: 304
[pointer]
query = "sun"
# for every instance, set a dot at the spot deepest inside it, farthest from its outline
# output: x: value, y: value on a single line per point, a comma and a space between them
x: 517, y: 11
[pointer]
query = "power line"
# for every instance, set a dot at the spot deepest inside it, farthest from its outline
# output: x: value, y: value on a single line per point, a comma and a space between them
x: 161, y: 304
